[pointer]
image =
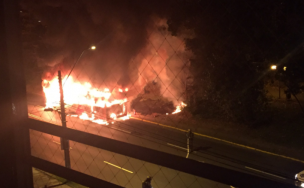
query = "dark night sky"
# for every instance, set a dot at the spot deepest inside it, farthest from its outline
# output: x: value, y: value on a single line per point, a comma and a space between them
x: 128, y: 33
x: 124, y: 26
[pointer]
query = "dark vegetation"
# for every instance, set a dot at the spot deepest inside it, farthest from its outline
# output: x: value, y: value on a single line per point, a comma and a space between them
x: 235, y: 44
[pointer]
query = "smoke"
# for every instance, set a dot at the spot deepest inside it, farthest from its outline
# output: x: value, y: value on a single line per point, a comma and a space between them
x: 164, y: 60
x: 134, y: 46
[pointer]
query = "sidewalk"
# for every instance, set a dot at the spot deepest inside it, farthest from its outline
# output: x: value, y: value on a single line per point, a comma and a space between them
x: 42, y: 179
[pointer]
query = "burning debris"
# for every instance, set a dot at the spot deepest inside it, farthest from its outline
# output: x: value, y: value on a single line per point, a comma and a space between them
x: 151, y: 101
x: 145, y: 105
x: 179, y: 108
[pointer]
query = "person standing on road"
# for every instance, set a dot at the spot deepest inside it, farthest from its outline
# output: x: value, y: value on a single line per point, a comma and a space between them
x: 190, y: 136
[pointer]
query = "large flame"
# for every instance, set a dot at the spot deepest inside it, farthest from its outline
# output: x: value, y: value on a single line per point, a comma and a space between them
x: 85, y: 99
x: 82, y: 94
x: 179, y: 108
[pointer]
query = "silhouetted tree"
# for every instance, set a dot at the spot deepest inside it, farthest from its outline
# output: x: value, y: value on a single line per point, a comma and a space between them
x: 233, y: 43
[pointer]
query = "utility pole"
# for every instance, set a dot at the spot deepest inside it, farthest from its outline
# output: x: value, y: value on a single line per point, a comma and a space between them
x: 106, y: 113
x: 190, y: 136
x: 279, y: 90
x: 65, y: 146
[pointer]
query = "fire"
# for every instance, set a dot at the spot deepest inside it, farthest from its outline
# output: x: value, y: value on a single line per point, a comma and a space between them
x: 179, y: 108
x: 113, y: 116
x: 90, y: 103
x: 121, y: 90
x: 85, y: 116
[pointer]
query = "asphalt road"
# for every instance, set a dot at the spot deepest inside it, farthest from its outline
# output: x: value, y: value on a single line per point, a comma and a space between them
x: 162, y: 139
x: 109, y: 166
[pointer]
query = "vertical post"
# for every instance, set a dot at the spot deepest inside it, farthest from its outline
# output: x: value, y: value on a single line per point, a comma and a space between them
x: 189, y: 142
x: 106, y: 112
x: 64, y: 142
x: 125, y: 106
x: 279, y: 90
x: 188, y: 150
x: 124, y: 109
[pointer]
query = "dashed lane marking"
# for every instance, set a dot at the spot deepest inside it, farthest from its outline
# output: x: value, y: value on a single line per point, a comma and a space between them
x: 121, y: 130
x: 176, y: 146
x: 206, y: 136
x: 159, y: 124
x: 118, y: 167
x: 59, y: 143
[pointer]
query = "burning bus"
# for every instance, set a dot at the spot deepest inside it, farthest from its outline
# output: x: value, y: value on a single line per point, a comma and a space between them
x: 84, y: 101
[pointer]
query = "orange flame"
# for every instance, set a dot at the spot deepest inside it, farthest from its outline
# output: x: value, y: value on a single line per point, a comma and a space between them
x: 76, y: 93
x: 179, y: 108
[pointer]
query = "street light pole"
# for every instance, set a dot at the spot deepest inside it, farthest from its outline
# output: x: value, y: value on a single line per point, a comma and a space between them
x: 274, y: 67
x: 65, y: 146
x: 64, y: 142
x: 279, y: 90
x: 91, y: 48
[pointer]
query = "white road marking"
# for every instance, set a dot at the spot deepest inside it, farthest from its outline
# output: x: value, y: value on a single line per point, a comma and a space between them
x: 177, y: 146
x: 121, y: 130
x: 118, y: 167
x: 59, y: 143
x: 264, y: 172
x: 222, y: 140
x: 56, y: 142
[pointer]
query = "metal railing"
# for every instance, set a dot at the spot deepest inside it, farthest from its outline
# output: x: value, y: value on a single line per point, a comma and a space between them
x: 211, y: 172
